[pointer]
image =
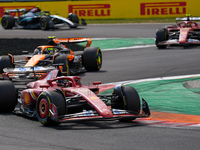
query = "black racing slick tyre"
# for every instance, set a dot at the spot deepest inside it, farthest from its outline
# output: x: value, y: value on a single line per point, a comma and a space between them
x: 161, y: 35
x: 8, y: 99
x: 5, y: 62
x: 127, y: 99
x: 74, y: 18
x: 44, y: 107
x: 92, y: 58
x: 44, y: 22
x: 8, y: 22
x: 62, y: 59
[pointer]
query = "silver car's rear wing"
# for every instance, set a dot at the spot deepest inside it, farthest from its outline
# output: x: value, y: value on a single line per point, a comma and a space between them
x: 14, y: 10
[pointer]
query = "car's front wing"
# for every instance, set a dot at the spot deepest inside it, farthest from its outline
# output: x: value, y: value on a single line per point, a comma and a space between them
x: 176, y: 42
x: 117, y: 114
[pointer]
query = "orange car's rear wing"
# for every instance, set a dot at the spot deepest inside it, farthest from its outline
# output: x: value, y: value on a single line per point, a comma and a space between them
x: 73, y: 40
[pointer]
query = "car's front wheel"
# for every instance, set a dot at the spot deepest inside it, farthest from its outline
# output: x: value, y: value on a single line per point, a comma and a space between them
x: 126, y: 98
x: 50, y: 105
x: 161, y: 35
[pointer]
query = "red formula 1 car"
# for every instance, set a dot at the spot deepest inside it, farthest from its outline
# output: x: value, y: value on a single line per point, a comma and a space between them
x: 185, y: 32
x: 55, y: 99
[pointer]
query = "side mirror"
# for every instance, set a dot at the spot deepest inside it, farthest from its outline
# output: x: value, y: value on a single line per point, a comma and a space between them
x: 97, y: 83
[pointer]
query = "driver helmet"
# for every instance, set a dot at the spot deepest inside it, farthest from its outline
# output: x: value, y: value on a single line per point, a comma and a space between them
x: 63, y: 82
x: 36, y: 9
x: 50, y: 50
x: 189, y: 24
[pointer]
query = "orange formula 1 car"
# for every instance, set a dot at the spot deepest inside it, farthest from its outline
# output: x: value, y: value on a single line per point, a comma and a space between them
x: 56, y: 54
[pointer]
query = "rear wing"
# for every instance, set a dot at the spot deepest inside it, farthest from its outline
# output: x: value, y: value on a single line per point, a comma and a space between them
x: 188, y: 19
x: 7, y: 11
x: 71, y: 40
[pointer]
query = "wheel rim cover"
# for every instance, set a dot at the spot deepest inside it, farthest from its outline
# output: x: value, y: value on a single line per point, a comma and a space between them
x: 43, y: 108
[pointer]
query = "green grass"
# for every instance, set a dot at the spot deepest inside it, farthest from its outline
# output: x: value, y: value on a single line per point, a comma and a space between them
x: 137, y: 20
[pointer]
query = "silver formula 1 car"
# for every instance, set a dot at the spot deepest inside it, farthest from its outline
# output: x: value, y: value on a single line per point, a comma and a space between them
x: 36, y: 19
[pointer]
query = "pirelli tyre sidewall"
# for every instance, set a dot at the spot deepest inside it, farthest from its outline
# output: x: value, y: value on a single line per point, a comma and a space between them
x: 74, y: 18
x: 5, y: 62
x: 161, y: 35
x: 92, y: 58
x: 43, y: 107
x: 128, y: 99
x: 44, y: 22
x: 8, y: 22
x: 8, y: 96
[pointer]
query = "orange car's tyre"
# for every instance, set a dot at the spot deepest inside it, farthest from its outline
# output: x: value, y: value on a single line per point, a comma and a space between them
x: 5, y: 62
x: 127, y: 99
x: 8, y: 96
x: 44, y: 22
x: 92, y: 58
x: 8, y: 22
x: 62, y: 59
x: 161, y: 35
x: 44, y: 104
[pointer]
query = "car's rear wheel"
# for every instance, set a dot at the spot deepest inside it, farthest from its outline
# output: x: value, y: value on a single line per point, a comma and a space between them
x: 62, y: 59
x: 5, y: 62
x: 44, y: 107
x: 161, y: 35
x: 74, y: 18
x: 8, y: 22
x: 44, y: 22
x: 8, y: 99
x: 92, y: 58
x: 127, y: 99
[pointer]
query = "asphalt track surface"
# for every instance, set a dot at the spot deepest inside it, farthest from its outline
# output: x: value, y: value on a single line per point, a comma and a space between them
x: 22, y: 133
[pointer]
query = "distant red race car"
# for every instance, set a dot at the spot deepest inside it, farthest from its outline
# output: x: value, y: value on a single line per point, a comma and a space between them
x: 185, y: 32
x: 55, y: 99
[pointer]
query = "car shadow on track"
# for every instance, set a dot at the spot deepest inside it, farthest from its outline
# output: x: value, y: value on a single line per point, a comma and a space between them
x: 95, y: 125
x: 82, y: 125
x: 55, y: 29
x: 189, y: 47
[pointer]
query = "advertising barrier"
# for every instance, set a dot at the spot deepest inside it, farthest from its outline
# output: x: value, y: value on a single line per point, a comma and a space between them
x: 112, y: 9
